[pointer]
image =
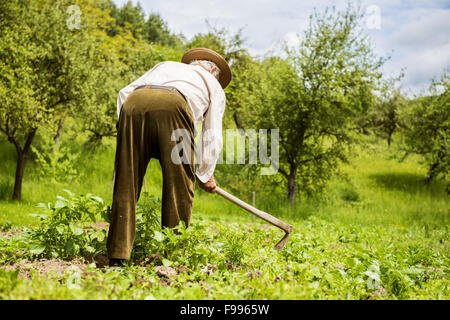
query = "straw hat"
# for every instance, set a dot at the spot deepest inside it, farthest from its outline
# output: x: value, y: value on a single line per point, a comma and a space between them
x: 210, y: 55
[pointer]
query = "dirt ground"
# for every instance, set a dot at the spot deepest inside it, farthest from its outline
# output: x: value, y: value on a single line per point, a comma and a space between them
x: 56, y: 267
x: 9, y: 234
x: 45, y: 267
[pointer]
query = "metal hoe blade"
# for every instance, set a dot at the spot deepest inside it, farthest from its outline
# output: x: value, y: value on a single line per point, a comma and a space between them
x: 280, y: 245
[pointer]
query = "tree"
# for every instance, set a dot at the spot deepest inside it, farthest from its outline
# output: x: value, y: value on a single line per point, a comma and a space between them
x: 21, y: 111
x: 157, y: 31
x: 120, y: 58
x: 383, y: 116
x: 313, y: 96
x: 44, y: 71
x: 427, y: 128
x: 132, y: 18
x: 229, y: 45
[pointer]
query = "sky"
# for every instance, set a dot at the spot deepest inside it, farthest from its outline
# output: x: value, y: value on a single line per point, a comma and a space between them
x: 415, y: 34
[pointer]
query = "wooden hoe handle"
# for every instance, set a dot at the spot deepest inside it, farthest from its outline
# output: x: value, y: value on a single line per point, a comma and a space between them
x: 260, y: 214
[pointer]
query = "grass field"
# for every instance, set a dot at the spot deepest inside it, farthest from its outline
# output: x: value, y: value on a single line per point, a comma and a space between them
x: 379, y: 232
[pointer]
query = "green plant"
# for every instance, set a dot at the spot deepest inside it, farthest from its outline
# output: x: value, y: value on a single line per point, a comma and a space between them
x: 8, y: 280
x: 7, y: 226
x: 427, y: 128
x: 234, y: 249
x: 13, y: 250
x: 66, y: 227
x: 148, y: 225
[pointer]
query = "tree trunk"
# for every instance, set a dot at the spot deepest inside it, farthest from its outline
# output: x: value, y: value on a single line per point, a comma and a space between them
x: 291, y: 184
x: 236, y: 121
x: 59, y: 133
x: 21, y: 159
x: 17, y: 193
x: 389, y: 138
x: 432, y: 172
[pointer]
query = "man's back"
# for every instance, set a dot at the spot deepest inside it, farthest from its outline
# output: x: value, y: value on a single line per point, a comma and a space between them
x: 199, y: 86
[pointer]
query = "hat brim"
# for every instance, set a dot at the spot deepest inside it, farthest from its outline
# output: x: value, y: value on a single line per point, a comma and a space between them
x: 210, y: 55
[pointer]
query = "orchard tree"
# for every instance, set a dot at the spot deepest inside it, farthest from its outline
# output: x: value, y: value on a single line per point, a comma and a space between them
x: 121, y: 55
x: 383, y: 116
x: 21, y: 112
x: 227, y: 44
x: 44, y: 72
x: 123, y: 61
x: 313, y: 96
x: 427, y: 128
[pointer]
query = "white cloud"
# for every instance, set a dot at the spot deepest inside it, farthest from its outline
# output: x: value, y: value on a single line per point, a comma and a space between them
x: 417, y: 39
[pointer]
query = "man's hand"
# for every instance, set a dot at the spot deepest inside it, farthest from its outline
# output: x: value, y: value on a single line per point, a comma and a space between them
x: 209, y: 186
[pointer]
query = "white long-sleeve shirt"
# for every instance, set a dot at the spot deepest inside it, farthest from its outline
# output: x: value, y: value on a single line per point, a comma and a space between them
x: 205, y: 97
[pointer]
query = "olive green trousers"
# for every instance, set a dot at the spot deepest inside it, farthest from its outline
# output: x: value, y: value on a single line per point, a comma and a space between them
x: 147, y: 121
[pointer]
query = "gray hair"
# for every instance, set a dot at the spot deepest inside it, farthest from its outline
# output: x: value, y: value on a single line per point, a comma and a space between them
x: 207, y: 65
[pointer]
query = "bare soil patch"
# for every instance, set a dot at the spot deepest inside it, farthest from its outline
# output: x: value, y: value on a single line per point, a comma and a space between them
x: 8, y: 234
x: 45, y: 267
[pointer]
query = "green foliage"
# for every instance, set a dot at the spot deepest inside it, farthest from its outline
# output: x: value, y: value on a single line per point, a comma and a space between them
x: 56, y: 164
x: 66, y: 229
x: 157, y: 31
x: 234, y: 250
x: 185, y: 245
x: 229, y: 45
x: 54, y: 65
x: 322, y: 260
x: 312, y: 97
x: 131, y: 17
x: 13, y: 249
x: 5, y: 189
x: 8, y: 280
x: 383, y: 116
x: 382, y: 234
x: 348, y: 193
x: 427, y: 128
x: 148, y: 225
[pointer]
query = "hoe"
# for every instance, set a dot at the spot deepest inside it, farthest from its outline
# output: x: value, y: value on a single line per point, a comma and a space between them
x: 287, y: 228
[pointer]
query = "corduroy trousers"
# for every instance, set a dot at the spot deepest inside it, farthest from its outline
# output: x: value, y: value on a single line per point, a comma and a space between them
x: 145, y: 130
